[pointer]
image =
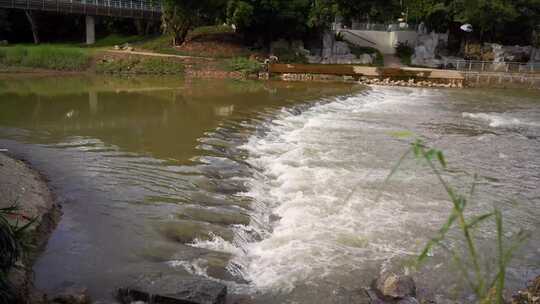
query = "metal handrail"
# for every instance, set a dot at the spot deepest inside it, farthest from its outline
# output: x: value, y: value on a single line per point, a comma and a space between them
x: 491, y: 66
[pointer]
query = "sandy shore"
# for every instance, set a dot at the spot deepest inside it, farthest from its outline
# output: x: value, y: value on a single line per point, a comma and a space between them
x: 21, y: 185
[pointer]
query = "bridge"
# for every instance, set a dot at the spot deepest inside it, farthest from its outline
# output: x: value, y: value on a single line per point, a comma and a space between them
x: 136, y: 9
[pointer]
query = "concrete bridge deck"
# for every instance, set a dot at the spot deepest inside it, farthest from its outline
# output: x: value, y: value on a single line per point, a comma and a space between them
x: 143, y: 9
x: 136, y: 9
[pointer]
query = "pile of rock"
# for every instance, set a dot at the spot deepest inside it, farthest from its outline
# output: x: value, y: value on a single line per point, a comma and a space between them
x: 332, y: 51
x: 338, y: 52
x: 410, y: 83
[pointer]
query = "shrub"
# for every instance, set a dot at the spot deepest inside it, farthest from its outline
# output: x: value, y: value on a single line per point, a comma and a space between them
x: 154, y: 66
x: 404, y: 51
x: 13, y: 246
x: 244, y: 65
x: 209, y: 30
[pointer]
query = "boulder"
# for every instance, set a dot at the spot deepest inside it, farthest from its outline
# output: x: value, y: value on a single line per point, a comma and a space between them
x: 427, y: 49
x: 328, y: 44
x: 3, y: 42
x: 174, y: 290
x: 396, y: 286
x: 72, y: 296
x: 341, y: 48
x: 535, y: 55
x: 365, y: 59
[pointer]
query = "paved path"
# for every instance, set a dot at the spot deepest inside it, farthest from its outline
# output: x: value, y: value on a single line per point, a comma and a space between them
x: 156, y: 54
x: 391, y: 61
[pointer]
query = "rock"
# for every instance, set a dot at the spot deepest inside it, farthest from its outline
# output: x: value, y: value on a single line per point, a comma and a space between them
x: 328, y: 40
x: 535, y: 55
x: 174, y: 290
x: 408, y: 300
x: 3, y: 42
x: 365, y: 59
x: 116, y: 47
x: 314, y: 59
x: 396, y: 286
x: 341, y: 48
x: 72, y: 296
x: 427, y: 49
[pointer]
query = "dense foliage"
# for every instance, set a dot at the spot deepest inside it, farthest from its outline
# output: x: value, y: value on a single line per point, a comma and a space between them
x: 505, y: 21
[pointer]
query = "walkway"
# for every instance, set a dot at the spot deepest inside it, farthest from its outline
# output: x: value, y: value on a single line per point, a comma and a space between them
x: 391, y: 61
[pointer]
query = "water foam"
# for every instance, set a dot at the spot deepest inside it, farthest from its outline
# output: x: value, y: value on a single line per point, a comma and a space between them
x: 309, y: 223
x: 499, y: 119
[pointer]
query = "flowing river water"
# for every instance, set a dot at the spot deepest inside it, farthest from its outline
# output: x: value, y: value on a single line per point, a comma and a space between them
x: 275, y: 189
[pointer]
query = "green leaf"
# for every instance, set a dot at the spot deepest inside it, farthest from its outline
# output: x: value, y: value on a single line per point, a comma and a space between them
x: 440, y: 157
x: 476, y: 220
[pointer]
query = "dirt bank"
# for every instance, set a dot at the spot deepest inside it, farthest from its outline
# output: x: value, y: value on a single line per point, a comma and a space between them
x: 21, y: 185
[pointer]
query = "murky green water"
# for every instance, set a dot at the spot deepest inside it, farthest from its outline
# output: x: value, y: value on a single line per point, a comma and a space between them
x: 249, y: 183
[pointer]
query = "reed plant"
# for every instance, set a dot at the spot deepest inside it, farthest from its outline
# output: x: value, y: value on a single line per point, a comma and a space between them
x: 45, y: 56
x: 14, y: 244
x: 488, y: 287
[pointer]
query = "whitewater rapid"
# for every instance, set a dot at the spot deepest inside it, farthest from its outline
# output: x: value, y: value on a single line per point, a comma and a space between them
x: 318, y: 172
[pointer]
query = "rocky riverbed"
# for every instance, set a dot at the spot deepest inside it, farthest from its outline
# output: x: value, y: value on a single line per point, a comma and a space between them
x: 24, y: 187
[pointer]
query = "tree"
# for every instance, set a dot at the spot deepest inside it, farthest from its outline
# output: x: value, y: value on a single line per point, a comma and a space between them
x: 270, y: 19
x: 179, y: 16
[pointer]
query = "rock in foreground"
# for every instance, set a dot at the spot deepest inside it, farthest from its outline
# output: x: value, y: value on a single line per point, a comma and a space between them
x: 172, y: 290
x: 396, y: 286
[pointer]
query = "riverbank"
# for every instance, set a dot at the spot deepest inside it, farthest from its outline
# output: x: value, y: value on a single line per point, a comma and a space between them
x: 24, y: 187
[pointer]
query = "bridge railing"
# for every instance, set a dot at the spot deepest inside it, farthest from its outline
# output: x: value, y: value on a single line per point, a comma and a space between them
x: 492, y: 67
x: 117, y: 8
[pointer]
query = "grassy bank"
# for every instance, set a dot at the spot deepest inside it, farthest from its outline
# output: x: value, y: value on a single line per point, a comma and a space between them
x: 53, y: 57
x: 140, y: 66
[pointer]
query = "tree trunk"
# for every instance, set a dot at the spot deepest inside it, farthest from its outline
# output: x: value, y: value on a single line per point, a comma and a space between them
x: 139, y: 25
x: 181, y: 33
x: 31, y: 19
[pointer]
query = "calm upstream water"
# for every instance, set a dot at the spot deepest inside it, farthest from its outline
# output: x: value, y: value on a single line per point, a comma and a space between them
x: 268, y: 187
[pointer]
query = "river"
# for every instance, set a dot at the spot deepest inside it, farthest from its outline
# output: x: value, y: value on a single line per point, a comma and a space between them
x: 276, y: 189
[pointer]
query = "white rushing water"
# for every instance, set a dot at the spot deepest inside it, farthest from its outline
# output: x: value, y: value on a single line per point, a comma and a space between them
x: 318, y: 175
x: 307, y: 222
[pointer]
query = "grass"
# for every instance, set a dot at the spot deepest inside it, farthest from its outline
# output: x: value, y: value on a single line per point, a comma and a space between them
x: 474, y: 268
x: 148, y: 66
x: 244, y: 65
x: 217, y: 41
x: 53, y: 57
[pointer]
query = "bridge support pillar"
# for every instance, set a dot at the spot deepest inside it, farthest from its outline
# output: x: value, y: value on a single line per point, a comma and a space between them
x: 90, y: 30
